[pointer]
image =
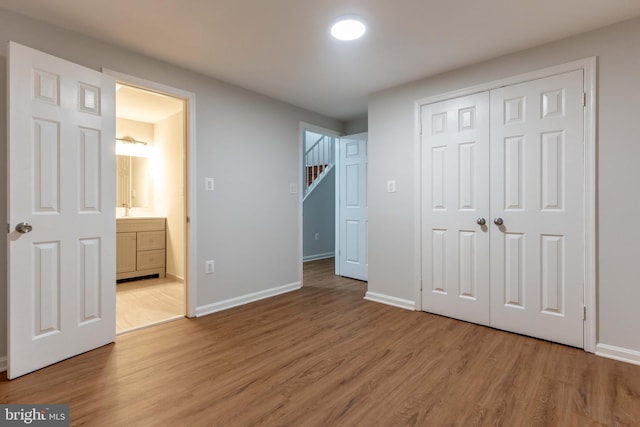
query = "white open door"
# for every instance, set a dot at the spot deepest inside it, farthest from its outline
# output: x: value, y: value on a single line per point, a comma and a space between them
x: 354, y: 218
x: 61, y: 175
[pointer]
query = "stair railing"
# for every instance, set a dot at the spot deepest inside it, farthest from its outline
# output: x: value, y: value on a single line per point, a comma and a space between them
x: 318, y: 161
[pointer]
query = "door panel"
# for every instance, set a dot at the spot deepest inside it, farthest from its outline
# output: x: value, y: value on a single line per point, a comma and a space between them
x: 61, y: 181
x: 353, y: 207
x: 537, y: 175
x: 455, y: 193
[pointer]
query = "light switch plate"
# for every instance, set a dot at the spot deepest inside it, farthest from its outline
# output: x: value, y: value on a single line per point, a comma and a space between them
x: 208, y: 184
x: 391, y: 186
x: 293, y: 189
x: 208, y: 266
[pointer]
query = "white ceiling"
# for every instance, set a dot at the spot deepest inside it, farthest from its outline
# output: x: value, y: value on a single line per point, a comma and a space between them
x: 282, y: 48
x: 144, y: 106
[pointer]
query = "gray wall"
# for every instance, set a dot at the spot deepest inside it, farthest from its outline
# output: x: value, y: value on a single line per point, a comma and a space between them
x: 249, y: 143
x: 319, y: 217
x: 357, y: 126
x: 391, y: 139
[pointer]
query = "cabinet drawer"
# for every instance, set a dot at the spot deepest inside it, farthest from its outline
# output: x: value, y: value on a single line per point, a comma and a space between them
x: 148, y: 240
x: 150, y: 259
x: 124, y: 225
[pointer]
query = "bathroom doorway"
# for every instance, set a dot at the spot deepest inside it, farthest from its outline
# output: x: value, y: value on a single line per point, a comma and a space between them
x: 151, y: 207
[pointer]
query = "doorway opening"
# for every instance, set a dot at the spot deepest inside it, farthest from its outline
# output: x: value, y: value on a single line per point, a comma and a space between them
x: 151, y: 207
x: 334, y: 207
x: 319, y: 190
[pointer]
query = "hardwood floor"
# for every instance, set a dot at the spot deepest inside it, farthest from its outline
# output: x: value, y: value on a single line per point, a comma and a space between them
x: 144, y: 302
x: 323, y: 356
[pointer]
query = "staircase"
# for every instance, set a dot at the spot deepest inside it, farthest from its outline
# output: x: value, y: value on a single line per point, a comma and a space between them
x: 318, y: 160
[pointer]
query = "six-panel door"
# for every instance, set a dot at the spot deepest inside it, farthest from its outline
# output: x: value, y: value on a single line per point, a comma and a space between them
x: 537, y: 183
x: 61, y: 181
x: 455, y: 200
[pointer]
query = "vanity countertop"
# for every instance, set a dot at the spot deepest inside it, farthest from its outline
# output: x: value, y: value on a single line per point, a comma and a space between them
x: 130, y: 217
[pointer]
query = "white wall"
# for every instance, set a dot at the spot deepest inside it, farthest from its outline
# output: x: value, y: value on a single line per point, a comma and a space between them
x: 248, y: 142
x: 391, y: 139
x: 170, y: 195
x: 319, y: 217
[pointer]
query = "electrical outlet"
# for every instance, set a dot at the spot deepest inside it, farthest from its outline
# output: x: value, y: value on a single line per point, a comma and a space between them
x: 391, y: 186
x: 208, y: 266
x: 208, y: 184
x: 317, y: 236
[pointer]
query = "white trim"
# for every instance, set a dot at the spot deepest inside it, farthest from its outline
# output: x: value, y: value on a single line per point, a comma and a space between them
x: 191, y: 185
x: 590, y: 223
x: 318, y: 256
x: 618, y: 353
x: 3, y: 364
x: 336, y: 193
x: 417, y: 207
x: 588, y: 66
x: 246, y: 299
x: 389, y: 300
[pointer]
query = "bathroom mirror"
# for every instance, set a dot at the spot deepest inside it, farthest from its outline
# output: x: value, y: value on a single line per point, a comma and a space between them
x: 133, y: 183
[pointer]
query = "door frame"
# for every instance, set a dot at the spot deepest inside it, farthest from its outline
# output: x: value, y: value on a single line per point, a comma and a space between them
x: 190, y: 176
x: 589, y: 68
x: 304, y: 126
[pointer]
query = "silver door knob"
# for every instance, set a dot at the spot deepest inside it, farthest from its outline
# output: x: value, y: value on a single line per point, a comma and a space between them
x: 481, y: 221
x: 498, y: 221
x: 23, y: 227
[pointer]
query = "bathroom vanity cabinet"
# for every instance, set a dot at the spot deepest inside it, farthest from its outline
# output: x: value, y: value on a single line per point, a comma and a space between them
x: 140, y: 247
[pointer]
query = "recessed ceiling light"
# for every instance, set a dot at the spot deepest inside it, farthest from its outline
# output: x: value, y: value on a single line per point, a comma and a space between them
x: 348, y: 28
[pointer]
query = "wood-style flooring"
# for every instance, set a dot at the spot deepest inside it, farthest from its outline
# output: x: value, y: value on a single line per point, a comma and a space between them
x: 323, y: 356
x: 140, y: 303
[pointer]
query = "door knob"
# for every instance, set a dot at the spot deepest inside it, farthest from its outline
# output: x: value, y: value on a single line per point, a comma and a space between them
x: 481, y: 221
x: 23, y: 227
x: 498, y: 221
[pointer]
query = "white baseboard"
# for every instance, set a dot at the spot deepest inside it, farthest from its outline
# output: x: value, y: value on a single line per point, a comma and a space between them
x: 318, y: 256
x: 388, y: 300
x: 618, y: 353
x: 3, y: 363
x: 245, y: 299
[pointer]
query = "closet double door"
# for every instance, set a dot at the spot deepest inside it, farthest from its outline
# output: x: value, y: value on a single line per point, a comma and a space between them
x: 502, y: 208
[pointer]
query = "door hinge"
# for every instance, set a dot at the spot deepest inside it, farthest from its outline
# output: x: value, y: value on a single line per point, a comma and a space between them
x: 188, y: 220
x: 584, y: 312
x: 8, y: 229
x: 584, y: 99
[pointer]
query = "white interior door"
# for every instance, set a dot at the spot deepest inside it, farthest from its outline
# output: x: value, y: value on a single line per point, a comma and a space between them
x: 537, y: 181
x: 354, y: 217
x: 61, y: 176
x: 455, y: 208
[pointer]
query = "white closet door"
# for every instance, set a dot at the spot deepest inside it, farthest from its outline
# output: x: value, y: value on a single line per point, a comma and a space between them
x: 455, y: 199
x: 537, y: 189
